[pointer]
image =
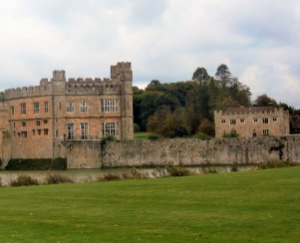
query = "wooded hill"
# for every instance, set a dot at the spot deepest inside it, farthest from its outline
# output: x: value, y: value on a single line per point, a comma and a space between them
x: 186, y: 108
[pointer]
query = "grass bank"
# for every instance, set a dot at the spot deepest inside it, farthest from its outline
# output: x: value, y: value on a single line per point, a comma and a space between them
x: 256, y: 206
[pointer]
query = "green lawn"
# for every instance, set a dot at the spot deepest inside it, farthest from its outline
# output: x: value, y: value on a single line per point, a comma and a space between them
x: 257, y: 206
x: 141, y: 135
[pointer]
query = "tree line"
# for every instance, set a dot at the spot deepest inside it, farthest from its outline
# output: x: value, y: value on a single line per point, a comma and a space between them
x: 186, y: 108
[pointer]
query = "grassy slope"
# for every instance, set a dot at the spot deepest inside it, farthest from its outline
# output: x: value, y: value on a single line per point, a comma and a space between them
x: 260, y: 206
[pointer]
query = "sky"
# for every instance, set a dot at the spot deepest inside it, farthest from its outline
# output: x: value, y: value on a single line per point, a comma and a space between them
x: 166, y: 40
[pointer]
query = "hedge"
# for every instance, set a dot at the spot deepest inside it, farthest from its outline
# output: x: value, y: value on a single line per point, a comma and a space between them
x: 37, y: 164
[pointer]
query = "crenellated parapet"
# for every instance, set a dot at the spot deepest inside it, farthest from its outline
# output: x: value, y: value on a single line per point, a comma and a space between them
x: 59, y: 85
x: 30, y: 91
x: 91, y: 86
x: 250, y: 110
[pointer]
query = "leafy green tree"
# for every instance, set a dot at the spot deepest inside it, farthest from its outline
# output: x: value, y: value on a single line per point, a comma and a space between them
x: 200, y: 75
x: 265, y: 100
x: 167, y: 124
x: 223, y: 75
x: 227, y: 102
x: 240, y: 92
x: 155, y: 85
x: 150, y: 103
x: 207, y: 127
x: 137, y: 99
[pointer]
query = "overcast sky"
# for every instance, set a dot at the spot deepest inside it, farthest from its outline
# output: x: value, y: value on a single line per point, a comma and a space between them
x: 259, y: 40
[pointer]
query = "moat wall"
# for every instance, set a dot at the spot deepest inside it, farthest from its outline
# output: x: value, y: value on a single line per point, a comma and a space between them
x: 185, y: 152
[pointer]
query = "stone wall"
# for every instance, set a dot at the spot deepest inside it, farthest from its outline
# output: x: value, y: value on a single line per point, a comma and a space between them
x: 83, y: 154
x: 186, y: 152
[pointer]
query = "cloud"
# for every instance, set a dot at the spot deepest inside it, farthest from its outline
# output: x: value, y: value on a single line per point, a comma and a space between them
x: 164, y: 39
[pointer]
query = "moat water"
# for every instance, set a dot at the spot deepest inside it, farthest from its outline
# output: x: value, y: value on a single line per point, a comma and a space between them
x: 94, y: 175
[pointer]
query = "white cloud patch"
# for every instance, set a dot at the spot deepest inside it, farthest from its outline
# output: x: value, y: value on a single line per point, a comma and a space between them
x: 164, y: 39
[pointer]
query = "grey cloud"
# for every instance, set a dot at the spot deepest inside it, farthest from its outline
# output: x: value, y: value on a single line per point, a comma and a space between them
x: 269, y: 22
x: 147, y: 11
x: 164, y: 39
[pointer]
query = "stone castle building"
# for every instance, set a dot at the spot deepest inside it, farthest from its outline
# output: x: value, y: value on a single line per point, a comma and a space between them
x: 252, y: 122
x: 35, y: 121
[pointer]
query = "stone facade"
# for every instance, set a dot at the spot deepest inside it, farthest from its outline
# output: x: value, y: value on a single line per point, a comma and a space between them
x: 36, y: 121
x: 252, y: 122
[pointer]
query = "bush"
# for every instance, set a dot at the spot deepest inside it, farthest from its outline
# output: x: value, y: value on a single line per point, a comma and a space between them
x: 202, y: 136
x: 209, y: 170
x: 37, y: 164
x: 136, y: 174
x: 107, y: 139
x: 178, y: 171
x: 136, y: 128
x: 127, y: 175
x: 207, y: 127
x: 179, y: 131
x: 57, y: 179
x: 24, y: 180
x: 235, y: 168
x: 276, y: 164
x: 232, y: 134
x: 111, y: 177
x: 153, y: 136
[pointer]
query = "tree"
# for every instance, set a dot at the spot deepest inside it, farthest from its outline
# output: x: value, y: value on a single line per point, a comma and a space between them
x: 168, y: 124
x: 207, y: 127
x: 1, y: 96
x: 240, y: 92
x: 226, y: 102
x: 223, y: 75
x: 265, y: 100
x: 137, y: 99
x: 155, y: 85
x: 200, y: 75
x: 151, y: 101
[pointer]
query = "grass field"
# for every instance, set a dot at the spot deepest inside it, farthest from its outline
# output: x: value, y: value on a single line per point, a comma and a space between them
x: 141, y: 135
x: 257, y: 206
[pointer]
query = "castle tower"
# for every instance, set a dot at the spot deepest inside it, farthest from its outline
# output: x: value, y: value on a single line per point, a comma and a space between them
x: 122, y: 72
x: 59, y: 81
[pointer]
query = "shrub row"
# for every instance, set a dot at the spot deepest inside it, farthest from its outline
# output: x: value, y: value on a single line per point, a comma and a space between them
x: 276, y: 164
x: 37, y: 164
x: 26, y: 180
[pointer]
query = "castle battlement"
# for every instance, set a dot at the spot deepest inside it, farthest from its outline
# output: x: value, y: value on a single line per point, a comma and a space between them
x: 78, y: 86
x: 93, y: 81
x: 28, y: 91
x: 250, y: 111
x: 123, y: 65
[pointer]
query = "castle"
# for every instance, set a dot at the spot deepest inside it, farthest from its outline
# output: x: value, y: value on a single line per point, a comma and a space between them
x: 35, y: 121
x: 252, y: 122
